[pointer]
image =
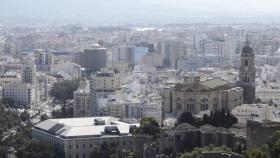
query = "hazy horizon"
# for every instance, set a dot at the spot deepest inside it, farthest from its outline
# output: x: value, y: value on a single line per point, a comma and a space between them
x: 102, y: 12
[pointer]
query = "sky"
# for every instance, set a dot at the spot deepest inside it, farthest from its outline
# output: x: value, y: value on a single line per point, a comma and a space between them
x: 137, y: 11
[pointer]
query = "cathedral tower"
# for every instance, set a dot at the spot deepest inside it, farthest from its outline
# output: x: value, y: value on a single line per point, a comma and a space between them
x: 247, y: 74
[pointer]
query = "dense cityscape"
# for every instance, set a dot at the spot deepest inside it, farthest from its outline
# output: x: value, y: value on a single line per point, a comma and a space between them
x: 174, y: 90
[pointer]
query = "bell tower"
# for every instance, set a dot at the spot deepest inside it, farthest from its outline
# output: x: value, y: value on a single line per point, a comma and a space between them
x: 247, y: 74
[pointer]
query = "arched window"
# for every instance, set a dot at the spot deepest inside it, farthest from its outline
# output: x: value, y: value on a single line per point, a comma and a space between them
x: 246, y: 62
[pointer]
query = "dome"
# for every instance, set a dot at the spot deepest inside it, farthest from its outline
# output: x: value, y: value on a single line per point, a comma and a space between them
x: 247, y: 49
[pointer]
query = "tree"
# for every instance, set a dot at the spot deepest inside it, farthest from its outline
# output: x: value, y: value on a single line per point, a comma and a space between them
x: 149, y: 126
x: 220, y: 119
x: 257, y: 153
x: 274, y: 145
x: 197, y: 152
x: 8, y: 102
x: 186, y: 117
x: 24, y: 116
x: 63, y: 113
x: 37, y: 149
x: 64, y: 90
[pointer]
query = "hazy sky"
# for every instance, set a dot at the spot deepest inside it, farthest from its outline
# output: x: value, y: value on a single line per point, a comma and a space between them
x: 139, y: 10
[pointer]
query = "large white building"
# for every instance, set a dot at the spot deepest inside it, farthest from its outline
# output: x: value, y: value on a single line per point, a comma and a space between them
x: 257, y: 112
x: 68, y: 70
x: 23, y: 94
x: 78, y: 137
x: 134, y: 108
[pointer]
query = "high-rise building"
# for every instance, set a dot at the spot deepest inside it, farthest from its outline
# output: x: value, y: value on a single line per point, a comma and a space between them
x: 247, y: 74
x: 28, y: 73
x: 229, y: 49
x: 172, y: 51
x: 81, y: 99
x: 124, y: 54
x: 216, y: 47
x: 102, y: 83
x: 44, y: 58
x: 93, y: 59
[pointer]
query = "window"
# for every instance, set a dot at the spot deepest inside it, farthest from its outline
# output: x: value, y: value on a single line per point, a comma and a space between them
x: 90, y: 145
x: 77, y: 155
x: 246, y: 62
x: 77, y: 146
x: 84, y: 155
x: 84, y: 146
x: 70, y: 147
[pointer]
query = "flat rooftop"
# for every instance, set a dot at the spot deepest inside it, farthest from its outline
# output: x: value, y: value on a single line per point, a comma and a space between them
x: 85, y: 127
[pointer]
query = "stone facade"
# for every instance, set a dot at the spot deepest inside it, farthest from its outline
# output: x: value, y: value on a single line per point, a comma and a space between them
x: 257, y: 133
x: 213, y: 95
x: 185, y: 136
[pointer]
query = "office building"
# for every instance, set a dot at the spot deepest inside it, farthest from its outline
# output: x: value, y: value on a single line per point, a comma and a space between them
x: 172, y: 51
x: 93, y: 59
x: 124, y: 54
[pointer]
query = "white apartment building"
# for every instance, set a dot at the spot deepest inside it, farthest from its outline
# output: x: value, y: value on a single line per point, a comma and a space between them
x: 214, y: 47
x: 78, y: 137
x: 257, y: 112
x: 23, y: 94
x: 81, y: 99
x: 68, y: 70
x: 102, y: 84
x: 134, y: 108
x: 267, y: 94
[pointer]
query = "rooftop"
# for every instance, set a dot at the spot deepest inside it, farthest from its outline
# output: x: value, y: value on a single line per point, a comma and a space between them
x: 203, y: 86
x: 85, y: 127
